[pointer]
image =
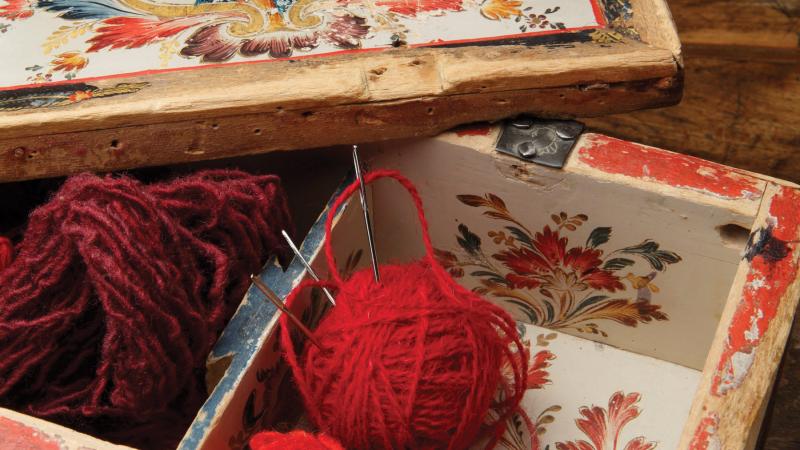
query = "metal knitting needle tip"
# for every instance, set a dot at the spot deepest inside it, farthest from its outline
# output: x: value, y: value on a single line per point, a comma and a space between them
x: 273, y: 297
x: 362, y: 192
x: 307, y: 265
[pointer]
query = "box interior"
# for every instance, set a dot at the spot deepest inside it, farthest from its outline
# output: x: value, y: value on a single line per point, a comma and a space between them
x: 619, y: 339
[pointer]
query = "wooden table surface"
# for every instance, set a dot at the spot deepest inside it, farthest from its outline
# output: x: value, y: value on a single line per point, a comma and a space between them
x: 741, y: 107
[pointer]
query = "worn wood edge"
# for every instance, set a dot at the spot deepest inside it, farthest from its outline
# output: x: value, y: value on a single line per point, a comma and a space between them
x: 653, y: 20
x: 22, y: 432
x: 725, y: 421
x: 193, y: 140
x: 745, y: 206
x: 314, y: 84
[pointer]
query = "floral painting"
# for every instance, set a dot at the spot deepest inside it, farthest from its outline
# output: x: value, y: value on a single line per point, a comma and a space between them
x: 600, y: 425
x: 603, y: 426
x: 56, y: 40
x: 553, y: 281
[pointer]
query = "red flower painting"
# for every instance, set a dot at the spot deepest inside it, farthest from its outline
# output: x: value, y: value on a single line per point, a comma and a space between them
x: 603, y: 426
x: 553, y: 282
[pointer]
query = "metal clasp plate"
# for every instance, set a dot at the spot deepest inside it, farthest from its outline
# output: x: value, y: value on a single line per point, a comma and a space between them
x: 545, y: 142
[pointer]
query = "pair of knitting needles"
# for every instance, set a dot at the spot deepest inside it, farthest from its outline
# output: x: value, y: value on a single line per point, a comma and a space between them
x: 362, y: 193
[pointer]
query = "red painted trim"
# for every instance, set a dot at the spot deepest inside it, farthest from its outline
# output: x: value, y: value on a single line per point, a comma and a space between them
x: 638, y: 161
x: 599, y: 15
x: 294, y: 58
x: 15, y: 435
x: 474, y: 129
x: 766, y: 285
x: 705, y: 434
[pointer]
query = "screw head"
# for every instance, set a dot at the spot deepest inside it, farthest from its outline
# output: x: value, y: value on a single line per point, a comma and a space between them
x: 523, y: 123
x: 527, y: 149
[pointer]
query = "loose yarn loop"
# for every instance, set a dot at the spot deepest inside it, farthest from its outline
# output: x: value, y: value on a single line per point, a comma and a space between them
x: 416, y: 362
x: 294, y: 440
x: 119, y: 291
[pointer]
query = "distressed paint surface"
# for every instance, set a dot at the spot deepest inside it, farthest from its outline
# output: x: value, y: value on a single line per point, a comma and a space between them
x: 51, y: 41
x: 620, y: 157
x: 18, y: 436
x: 705, y: 437
x: 768, y: 279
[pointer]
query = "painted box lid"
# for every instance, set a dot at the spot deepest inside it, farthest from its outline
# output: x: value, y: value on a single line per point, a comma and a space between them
x: 115, y: 84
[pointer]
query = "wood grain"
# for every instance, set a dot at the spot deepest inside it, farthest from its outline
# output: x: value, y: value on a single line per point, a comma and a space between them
x: 204, y: 139
x: 743, y: 115
x: 767, y: 29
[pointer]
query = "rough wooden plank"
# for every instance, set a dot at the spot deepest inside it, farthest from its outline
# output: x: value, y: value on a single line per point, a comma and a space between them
x: 755, y: 323
x: 355, y: 79
x: 193, y: 140
x: 743, y: 115
x: 739, y: 28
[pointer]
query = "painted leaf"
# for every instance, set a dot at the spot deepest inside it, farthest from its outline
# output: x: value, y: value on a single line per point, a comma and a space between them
x: 468, y: 240
x: 471, y: 200
x: 521, y: 236
x: 88, y: 9
x: 133, y: 32
x: 501, y: 9
x: 591, y: 301
x: 625, y: 312
x: 598, y: 236
x: 649, y: 250
x: 413, y: 7
x: 617, y: 264
x: 16, y: 9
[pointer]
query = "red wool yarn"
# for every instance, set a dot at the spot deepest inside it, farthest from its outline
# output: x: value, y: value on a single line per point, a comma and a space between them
x: 295, y: 440
x: 6, y: 252
x: 120, y: 289
x: 415, y: 362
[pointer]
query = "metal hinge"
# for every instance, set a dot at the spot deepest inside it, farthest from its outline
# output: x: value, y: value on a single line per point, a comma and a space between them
x: 545, y: 142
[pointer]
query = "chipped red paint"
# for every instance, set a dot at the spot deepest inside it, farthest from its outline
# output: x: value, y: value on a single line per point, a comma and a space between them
x: 705, y: 436
x: 474, y: 129
x: 15, y: 435
x: 767, y: 282
x: 620, y: 157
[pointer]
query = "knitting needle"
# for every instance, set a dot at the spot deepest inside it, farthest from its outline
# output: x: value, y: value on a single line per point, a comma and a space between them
x: 307, y: 265
x: 279, y: 304
x: 362, y: 192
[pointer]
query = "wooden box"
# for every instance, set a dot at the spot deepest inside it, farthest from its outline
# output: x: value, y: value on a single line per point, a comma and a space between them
x: 116, y: 84
x: 655, y: 290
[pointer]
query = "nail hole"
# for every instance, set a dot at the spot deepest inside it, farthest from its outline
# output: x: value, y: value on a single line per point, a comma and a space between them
x: 733, y: 235
x: 307, y: 114
x: 214, y: 126
x: 416, y: 62
x: 114, y: 144
x: 257, y: 131
x: 430, y: 111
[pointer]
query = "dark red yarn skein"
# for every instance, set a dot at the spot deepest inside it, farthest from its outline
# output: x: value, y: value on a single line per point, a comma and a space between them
x: 415, y: 362
x: 118, y: 292
x: 6, y: 252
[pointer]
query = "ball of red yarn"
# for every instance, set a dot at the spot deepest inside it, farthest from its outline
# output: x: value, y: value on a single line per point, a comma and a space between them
x: 118, y: 292
x: 6, y: 252
x: 415, y: 361
x: 295, y: 440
